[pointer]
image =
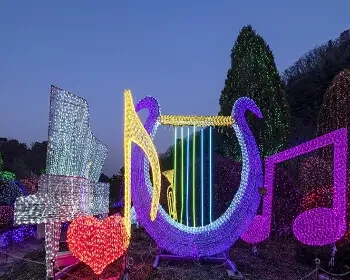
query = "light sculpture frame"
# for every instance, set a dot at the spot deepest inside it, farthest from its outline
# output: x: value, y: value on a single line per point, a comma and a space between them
x: 171, y: 197
x: 319, y: 226
x: 170, y: 235
x: 70, y: 188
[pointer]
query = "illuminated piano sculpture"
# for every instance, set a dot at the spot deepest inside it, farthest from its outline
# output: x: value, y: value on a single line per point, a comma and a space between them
x: 74, y: 163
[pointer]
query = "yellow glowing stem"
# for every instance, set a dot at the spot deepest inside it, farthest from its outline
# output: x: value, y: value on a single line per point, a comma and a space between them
x: 196, y: 120
x: 135, y: 132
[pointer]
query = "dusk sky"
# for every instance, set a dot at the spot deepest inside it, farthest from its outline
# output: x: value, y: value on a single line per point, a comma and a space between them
x: 177, y: 51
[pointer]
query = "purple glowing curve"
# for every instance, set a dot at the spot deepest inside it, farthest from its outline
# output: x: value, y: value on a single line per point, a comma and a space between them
x: 218, y: 236
x: 318, y: 226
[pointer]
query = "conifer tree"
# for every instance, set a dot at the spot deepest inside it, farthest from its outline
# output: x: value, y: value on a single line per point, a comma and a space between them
x: 253, y: 73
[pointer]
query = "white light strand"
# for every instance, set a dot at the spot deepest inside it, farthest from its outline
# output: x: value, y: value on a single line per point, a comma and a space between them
x: 75, y: 158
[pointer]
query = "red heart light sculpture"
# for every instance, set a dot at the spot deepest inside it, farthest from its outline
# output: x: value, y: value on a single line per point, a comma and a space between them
x: 97, y: 243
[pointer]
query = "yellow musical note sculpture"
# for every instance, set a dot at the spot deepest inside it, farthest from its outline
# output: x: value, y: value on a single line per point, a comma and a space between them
x: 135, y: 132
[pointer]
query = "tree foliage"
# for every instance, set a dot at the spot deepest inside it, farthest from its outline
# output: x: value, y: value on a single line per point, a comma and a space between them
x: 335, y: 110
x: 23, y: 161
x: 307, y: 80
x: 253, y: 73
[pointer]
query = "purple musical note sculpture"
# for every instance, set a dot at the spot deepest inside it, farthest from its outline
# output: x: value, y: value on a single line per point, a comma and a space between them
x: 318, y: 226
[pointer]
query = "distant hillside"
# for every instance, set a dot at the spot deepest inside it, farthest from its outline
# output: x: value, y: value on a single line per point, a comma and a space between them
x: 307, y: 80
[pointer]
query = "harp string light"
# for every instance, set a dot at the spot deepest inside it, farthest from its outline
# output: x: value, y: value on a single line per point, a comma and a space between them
x: 218, y: 236
x: 202, y: 179
x: 182, y: 175
x: 195, y: 120
x: 187, y: 176
x: 174, y: 180
x: 194, y: 176
x: 210, y: 177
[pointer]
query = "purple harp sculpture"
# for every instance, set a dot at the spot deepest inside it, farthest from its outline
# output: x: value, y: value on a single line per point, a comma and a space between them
x: 318, y: 226
x: 218, y: 236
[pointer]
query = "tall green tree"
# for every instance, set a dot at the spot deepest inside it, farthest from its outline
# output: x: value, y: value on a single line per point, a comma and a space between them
x: 253, y: 73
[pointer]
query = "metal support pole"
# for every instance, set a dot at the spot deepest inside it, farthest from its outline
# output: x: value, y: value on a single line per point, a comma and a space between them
x: 332, y: 260
x: 255, y: 250
x: 6, y: 253
x: 317, y: 261
x: 53, y: 269
x: 127, y: 268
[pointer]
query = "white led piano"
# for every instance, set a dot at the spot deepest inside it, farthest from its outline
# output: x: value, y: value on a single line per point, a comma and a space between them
x: 70, y: 188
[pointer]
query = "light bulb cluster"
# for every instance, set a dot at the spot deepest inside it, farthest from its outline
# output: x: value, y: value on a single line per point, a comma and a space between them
x: 253, y: 73
x: 60, y: 199
x: 8, y: 175
x: 219, y: 235
x: 75, y: 158
x: 30, y: 184
x: 195, y: 120
x: 10, y: 191
x: 6, y: 214
x: 317, y: 226
x: 97, y: 243
x: 134, y: 132
x: 133, y: 216
x: 317, y: 197
x: 225, y: 171
x: 73, y: 150
x: 17, y: 234
x: 334, y: 113
x: 322, y: 197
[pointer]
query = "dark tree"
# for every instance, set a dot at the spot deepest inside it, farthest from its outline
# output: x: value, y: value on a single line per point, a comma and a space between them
x: 116, y: 184
x: 307, y: 81
x: 103, y: 178
x: 253, y: 73
x: 36, y: 157
x: 14, y: 154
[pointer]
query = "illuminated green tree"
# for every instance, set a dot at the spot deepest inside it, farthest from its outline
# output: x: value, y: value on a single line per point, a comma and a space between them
x: 253, y: 73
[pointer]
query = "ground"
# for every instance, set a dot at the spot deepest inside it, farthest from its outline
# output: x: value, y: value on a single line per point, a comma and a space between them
x: 277, y: 260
